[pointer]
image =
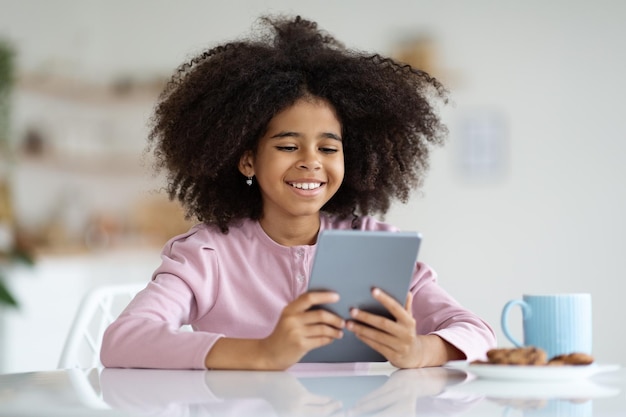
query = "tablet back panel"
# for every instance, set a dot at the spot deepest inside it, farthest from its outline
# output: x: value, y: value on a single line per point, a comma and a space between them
x: 351, y: 262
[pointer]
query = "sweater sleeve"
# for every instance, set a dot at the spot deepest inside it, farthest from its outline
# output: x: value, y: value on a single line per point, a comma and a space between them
x: 437, y: 312
x: 147, y: 334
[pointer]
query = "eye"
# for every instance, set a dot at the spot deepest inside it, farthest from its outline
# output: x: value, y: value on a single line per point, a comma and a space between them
x: 287, y: 148
x: 329, y: 150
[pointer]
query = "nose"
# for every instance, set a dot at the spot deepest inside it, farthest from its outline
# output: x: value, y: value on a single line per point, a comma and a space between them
x: 309, y: 160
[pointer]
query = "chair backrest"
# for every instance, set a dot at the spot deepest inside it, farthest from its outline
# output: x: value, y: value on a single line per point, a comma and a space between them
x: 98, y: 308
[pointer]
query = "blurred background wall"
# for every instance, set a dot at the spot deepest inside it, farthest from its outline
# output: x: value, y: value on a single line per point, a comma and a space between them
x: 527, y: 195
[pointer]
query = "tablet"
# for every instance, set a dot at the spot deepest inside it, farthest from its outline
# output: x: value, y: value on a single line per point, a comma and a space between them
x: 351, y: 262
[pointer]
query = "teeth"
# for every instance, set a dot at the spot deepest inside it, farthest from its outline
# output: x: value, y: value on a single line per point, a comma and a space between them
x: 306, y: 185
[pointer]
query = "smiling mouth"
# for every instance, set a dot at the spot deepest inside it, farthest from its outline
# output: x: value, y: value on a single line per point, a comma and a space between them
x: 306, y: 185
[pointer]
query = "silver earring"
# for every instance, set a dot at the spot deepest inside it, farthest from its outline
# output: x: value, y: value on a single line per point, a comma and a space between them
x: 249, y: 181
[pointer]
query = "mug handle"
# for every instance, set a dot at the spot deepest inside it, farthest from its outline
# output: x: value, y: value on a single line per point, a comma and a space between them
x: 505, y: 315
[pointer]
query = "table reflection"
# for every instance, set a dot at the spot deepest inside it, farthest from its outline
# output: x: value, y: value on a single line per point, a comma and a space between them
x: 572, y: 398
x: 307, y: 391
x: 293, y: 393
x: 317, y: 392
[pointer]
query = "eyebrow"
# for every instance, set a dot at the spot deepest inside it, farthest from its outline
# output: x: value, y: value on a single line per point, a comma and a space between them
x: 286, y: 134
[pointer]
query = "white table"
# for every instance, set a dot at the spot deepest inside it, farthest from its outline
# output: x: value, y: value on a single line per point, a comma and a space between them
x: 346, y: 390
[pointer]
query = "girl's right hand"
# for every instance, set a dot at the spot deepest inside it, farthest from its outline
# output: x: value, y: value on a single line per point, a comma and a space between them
x: 301, y: 329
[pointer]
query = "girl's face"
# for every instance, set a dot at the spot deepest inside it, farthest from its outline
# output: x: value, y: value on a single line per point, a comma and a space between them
x: 299, y: 160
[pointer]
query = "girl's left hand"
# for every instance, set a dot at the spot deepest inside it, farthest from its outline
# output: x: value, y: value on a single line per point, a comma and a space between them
x: 395, y: 340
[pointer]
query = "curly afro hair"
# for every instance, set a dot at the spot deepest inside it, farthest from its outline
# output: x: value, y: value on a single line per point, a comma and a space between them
x: 217, y: 106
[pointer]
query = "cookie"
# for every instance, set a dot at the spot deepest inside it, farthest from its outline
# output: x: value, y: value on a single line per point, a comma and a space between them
x: 576, y: 358
x: 556, y: 362
x: 533, y: 356
x: 517, y: 356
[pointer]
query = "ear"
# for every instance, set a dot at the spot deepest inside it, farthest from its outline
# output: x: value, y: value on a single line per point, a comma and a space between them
x: 246, y: 164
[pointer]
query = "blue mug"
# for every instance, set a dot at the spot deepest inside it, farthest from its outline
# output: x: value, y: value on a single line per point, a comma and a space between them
x: 559, y: 324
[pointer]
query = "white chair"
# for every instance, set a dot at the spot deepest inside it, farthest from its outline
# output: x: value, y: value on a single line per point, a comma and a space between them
x: 97, y: 310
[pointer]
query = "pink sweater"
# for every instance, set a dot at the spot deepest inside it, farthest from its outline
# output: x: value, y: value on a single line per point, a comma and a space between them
x: 237, y: 284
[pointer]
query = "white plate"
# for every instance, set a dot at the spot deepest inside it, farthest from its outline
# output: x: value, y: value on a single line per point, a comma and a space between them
x: 531, y: 373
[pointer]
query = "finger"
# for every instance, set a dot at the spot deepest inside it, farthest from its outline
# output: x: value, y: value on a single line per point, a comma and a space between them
x: 375, y: 322
x: 391, y: 304
x: 382, y: 332
x: 322, y: 331
x: 367, y: 331
x: 318, y: 336
x: 309, y: 299
x: 322, y: 316
x: 398, y: 352
x: 380, y: 342
x: 408, y: 303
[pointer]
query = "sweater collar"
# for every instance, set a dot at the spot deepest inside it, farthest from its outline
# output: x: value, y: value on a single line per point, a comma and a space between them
x: 274, y: 246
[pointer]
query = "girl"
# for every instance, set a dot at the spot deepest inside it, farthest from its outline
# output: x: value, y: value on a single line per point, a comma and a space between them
x: 267, y: 142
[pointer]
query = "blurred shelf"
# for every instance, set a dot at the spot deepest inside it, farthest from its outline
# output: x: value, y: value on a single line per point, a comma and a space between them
x: 98, y: 165
x: 75, y: 126
x: 123, y: 91
x: 129, y: 249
